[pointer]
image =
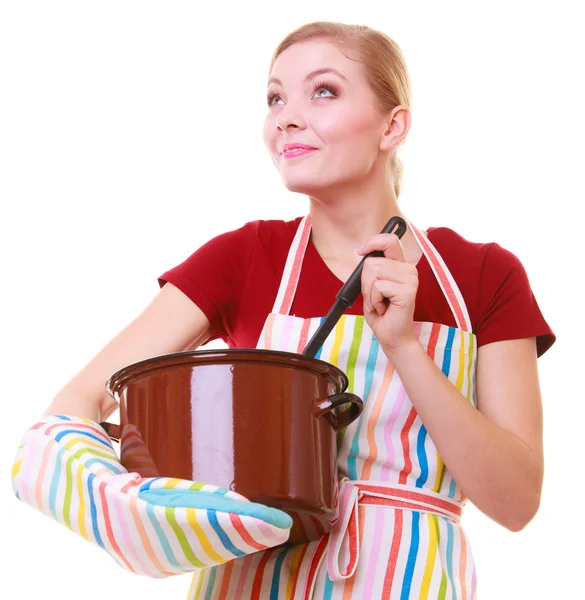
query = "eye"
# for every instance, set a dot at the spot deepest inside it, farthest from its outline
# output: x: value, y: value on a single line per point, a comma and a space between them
x: 271, y: 97
x: 324, y: 86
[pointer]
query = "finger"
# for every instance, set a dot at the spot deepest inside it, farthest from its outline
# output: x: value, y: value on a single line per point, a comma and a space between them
x: 376, y: 269
x: 393, y: 270
x: 389, y: 293
x: 388, y: 243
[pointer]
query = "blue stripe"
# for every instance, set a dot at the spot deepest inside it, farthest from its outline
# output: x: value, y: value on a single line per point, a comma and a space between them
x: 318, y: 355
x: 62, y: 417
x: 411, y: 561
x: 448, y: 351
x: 161, y: 536
x: 452, y: 488
x: 212, y: 574
x: 354, y: 450
x: 422, y: 457
x: 146, y: 485
x: 328, y: 591
x: 65, y: 432
x: 276, y: 573
x: 93, y: 511
x: 109, y: 466
x: 225, y: 540
x: 449, y: 555
x: 55, y: 482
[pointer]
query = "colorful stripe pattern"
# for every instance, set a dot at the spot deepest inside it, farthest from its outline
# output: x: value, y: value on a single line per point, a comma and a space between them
x: 410, y: 543
x: 67, y: 468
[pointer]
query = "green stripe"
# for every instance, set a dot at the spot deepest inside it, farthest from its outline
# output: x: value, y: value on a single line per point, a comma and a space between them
x: 170, y: 514
x: 351, y: 363
x: 443, y: 586
x: 196, y: 486
x: 68, y: 492
x: 199, y: 584
x: 80, y: 453
x: 171, y: 518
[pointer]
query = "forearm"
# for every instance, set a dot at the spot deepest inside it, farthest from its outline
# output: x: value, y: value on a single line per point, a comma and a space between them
x: 496, y: 470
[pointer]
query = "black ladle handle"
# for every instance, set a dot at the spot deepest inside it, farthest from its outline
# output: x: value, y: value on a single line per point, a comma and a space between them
x: 353, y: 286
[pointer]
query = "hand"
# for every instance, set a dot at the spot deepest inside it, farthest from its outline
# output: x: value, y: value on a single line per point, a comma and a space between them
x: 389, y: 286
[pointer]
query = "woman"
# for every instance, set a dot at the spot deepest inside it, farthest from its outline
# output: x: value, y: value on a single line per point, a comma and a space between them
x: 442, y: 349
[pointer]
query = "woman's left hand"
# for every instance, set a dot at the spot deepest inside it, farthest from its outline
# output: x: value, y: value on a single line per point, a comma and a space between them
x: 389, y: 286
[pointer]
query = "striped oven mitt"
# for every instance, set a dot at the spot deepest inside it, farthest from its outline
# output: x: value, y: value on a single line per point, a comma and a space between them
x: 67, y: 468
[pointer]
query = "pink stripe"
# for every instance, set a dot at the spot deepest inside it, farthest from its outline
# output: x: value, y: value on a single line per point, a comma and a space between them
x: 27, y: 462
x: 375, y: 554
x: 389, y: 463
x: 126, y: 537
x: 296, y: 270
x: 242, y: 577
x: 285, y: 336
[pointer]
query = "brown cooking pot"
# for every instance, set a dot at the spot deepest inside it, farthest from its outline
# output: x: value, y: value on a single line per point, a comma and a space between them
x: 260, y: 422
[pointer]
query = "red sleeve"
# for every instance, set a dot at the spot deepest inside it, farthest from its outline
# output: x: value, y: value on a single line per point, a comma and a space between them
x: 507, y: 308
x: 213, y: 277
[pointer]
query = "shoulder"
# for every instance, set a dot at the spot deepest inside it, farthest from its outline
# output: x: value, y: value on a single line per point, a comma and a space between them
x: 482, y: 258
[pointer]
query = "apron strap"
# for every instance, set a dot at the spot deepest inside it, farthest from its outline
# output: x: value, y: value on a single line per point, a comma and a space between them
x: 450, y: 289
x: 292, y: 269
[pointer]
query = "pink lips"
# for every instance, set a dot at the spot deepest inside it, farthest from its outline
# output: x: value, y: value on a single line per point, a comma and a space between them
x: 292, y: 150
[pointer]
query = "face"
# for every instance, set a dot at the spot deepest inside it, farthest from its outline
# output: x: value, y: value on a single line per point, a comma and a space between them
x: 323, y: 128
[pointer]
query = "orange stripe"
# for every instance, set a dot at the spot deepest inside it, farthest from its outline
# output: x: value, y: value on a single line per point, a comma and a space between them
x: 298, y: 571
x: 372, y: 421
x: 394, y: 550
x: 144, y: 536
x: 225, y: 584
x: 406, y: 446
x: 463, y: 564
x: 349, y: 583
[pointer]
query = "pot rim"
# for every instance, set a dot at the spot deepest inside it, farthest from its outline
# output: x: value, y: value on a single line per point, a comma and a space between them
x: 220, y: 356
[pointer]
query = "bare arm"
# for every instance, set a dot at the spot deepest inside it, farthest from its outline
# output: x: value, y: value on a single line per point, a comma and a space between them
x: 170, y: 323
x: 495, y: 453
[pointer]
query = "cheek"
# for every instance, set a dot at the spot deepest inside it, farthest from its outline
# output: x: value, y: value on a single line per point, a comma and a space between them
x: 269, y: 133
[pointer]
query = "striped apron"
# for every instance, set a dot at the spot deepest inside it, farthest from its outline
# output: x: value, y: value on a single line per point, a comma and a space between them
x: 398, y: 535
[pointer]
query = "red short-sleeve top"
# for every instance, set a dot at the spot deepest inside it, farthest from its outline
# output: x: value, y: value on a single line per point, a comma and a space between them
x: 234, y: 280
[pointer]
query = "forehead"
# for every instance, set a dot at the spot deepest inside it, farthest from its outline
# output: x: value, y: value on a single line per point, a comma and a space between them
x: 300, y: 59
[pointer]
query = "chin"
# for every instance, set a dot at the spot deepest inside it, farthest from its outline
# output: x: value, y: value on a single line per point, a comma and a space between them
x: 311, y: 186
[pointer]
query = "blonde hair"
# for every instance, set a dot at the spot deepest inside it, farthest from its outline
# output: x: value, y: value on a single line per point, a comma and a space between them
x: 382, y: 60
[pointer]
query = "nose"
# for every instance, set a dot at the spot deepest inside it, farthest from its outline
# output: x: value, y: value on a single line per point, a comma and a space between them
x: 289, y: 118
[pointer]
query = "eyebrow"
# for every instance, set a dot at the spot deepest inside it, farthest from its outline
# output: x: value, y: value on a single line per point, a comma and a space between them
x: 313, y: 74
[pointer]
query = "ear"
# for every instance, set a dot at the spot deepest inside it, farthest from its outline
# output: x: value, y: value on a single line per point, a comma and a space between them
x: 396, y: 127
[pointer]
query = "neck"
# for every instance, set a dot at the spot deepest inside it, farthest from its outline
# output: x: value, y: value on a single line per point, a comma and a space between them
x: 341, y: 225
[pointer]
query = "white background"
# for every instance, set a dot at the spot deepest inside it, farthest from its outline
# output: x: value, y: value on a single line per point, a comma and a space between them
x: 130, y: 134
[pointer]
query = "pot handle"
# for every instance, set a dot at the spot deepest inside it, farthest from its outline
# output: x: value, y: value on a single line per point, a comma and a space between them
x: 112, y: 430
x: 348, y: 416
